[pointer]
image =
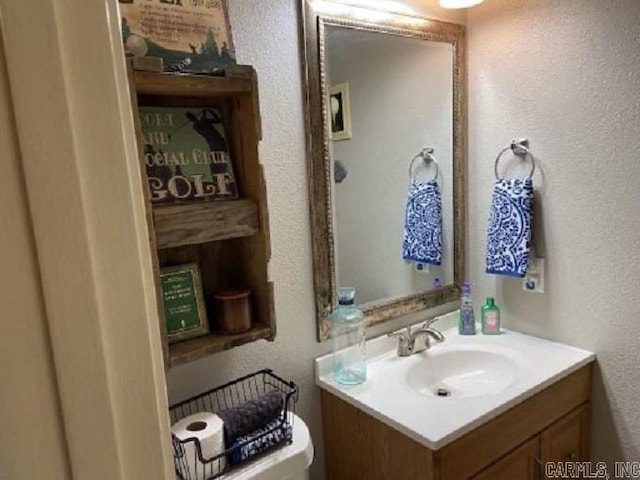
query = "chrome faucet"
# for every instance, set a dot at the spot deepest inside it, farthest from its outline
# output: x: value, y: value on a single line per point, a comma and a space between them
x: 407, y: 338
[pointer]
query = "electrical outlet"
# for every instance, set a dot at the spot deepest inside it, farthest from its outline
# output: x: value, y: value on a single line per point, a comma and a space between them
x: 533, y: 280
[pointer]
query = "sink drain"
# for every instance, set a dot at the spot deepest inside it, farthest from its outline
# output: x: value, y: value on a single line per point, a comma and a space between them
x: 443, y: 392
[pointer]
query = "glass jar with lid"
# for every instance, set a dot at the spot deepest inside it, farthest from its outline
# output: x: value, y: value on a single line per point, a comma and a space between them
x: 349, y: 337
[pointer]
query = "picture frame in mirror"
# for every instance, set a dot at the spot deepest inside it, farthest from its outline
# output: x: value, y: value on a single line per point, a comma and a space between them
x: 340, y: 111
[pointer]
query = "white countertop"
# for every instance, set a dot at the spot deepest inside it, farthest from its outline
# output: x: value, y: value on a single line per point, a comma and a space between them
x: 432, y: 421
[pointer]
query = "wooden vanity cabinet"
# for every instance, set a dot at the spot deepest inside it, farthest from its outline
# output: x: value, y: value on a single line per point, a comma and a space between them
x: 550, y: 426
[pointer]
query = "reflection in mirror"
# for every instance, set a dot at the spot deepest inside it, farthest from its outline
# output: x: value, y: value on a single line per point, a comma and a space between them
x: 382, y: 89
x: 394, y: 96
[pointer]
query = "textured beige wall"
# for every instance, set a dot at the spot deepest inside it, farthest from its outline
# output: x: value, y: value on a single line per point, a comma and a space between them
x: 32, y: 442
x: 562, y: 72
x: 566, y: 74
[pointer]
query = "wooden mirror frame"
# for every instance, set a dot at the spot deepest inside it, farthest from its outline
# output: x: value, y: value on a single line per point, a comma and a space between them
x: 316, y: 16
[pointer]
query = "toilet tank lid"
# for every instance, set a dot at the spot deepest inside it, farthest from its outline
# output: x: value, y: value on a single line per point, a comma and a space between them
x: 283, y: 462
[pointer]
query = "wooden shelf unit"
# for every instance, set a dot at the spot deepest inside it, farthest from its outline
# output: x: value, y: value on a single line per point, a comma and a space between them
x: 228, y: 239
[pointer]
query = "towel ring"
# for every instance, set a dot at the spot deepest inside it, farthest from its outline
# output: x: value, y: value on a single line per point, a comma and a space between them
x: 520, y: 148
x: 427, y: 156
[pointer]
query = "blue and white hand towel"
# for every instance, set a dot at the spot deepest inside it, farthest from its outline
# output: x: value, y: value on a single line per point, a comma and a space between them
x: 260, y: 440
x: 509, y: 231
x: 422, y: 240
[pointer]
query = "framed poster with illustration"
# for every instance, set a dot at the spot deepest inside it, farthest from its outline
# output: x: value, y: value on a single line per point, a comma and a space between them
x: 183, y: 302
x: 186, y: 155
x: 189, y: 35
x: 340, y: 111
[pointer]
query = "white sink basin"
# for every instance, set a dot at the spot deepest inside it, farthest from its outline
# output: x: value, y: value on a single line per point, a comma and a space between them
x: 456, y: 372
x: 483, y: 375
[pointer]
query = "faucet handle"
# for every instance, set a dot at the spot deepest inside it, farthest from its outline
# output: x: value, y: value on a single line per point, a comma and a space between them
x: 429, y: 322
x: 403, y: 333
x: 405, y: 341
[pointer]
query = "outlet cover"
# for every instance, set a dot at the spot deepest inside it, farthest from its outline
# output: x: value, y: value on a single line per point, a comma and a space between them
x: 533, y: 280
x: 421, y: 267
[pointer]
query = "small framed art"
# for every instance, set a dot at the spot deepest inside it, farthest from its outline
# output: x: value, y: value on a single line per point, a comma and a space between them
x: 340, y: 111
x: 183, y: 302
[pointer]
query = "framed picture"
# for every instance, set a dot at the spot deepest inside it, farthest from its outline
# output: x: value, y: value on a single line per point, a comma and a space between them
x: 189, y: 35
x: 340, y: 111
x: 183, y: 302
x: 186, y: 154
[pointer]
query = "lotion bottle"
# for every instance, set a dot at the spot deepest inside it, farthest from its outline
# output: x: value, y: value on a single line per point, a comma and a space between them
x: 490, y: 314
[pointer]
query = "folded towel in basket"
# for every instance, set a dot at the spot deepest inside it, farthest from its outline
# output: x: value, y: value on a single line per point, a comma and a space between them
x: 422, y: 240
x: 509, y: 231
x: 260, y: 440
x: 252, y: 415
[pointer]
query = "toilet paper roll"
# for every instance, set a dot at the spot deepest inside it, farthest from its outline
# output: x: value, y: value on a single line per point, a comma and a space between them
x: 208, y: 429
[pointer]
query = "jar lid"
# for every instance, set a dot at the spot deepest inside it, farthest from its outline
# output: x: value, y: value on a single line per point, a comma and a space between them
x: 232, y: 294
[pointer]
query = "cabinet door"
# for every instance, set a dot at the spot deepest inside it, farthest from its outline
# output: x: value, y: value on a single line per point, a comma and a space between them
x: 521, y: 464
x: 567, y: 440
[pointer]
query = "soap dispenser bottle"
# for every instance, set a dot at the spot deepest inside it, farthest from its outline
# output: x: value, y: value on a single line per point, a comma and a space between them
x: 349, y: 336
x: 467, y: 321
x: 490, y: 314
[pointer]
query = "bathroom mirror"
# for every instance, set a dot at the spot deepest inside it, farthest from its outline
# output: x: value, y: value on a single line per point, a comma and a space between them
x: 385, y: 104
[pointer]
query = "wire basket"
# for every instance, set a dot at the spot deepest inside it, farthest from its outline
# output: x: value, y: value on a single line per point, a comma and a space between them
x: 189, y: 461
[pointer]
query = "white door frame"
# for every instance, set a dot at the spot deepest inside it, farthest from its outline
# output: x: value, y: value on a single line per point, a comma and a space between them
x: 73, y: 114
